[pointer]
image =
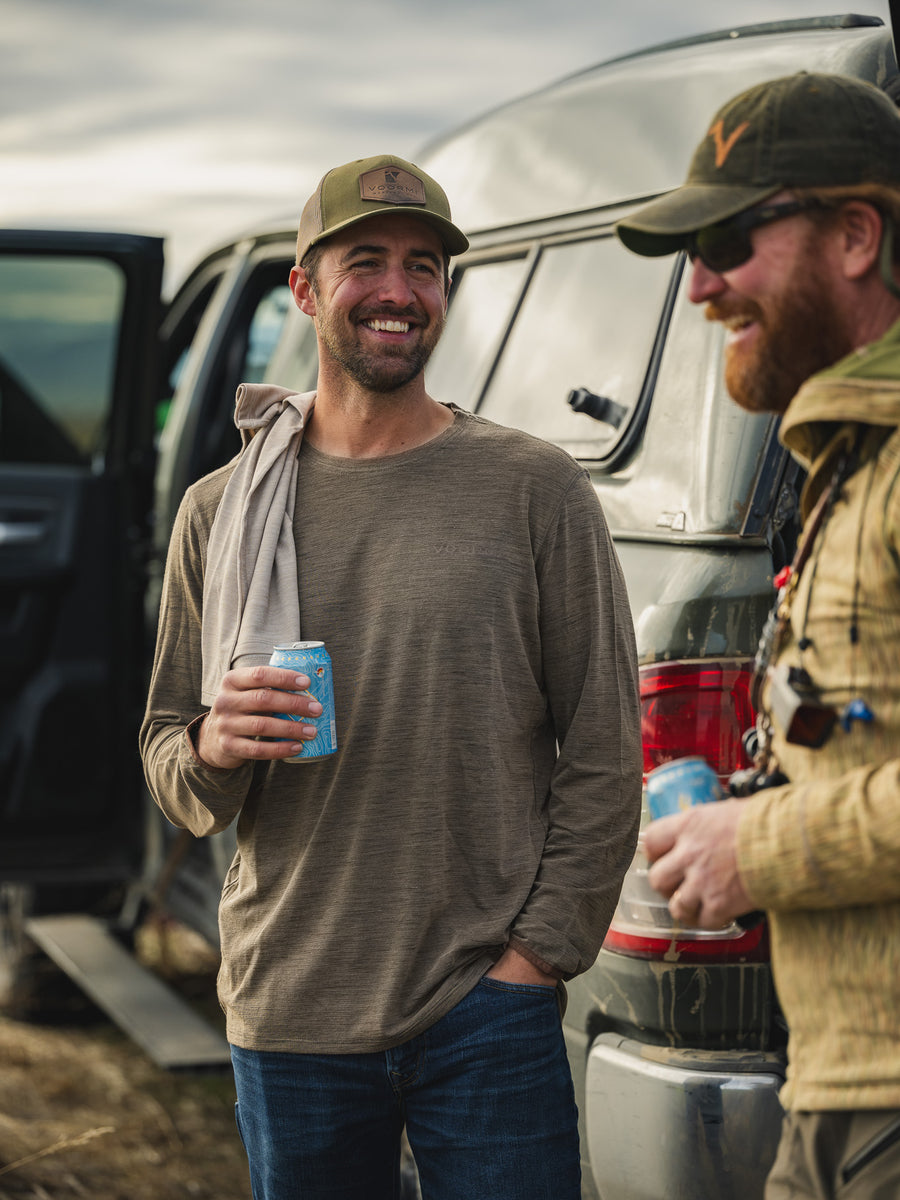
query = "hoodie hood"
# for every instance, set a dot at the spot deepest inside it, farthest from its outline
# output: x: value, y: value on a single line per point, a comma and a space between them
x: 824, y: 416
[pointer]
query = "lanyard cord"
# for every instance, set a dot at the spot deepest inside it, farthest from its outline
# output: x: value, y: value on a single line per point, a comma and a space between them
x: 777, y: 622
x: 804, y: 642
x: 844, y: 469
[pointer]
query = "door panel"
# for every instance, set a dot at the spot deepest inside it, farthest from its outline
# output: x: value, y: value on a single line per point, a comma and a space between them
x: 78, y: 321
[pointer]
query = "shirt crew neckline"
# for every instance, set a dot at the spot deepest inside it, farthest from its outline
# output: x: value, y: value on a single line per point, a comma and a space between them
x: 386, y: 461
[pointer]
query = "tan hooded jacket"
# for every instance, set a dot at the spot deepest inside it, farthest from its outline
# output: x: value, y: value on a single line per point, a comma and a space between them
x: 822, y: 855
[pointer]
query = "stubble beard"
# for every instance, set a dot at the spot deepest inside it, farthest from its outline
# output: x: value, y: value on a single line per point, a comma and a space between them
x: 388, y: 368
x: 801, y: 332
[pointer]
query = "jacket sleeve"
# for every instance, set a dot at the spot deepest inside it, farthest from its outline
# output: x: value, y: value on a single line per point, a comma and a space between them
x: 833, y: 840
x: 591, y: 678
x: 824, y: 844
x: 193, y: 796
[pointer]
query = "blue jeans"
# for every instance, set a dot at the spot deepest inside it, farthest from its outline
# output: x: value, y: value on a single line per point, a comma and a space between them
x: 486, y: 1096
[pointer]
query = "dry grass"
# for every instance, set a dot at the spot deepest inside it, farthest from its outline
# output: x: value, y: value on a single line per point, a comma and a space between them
x: 83, y: 1112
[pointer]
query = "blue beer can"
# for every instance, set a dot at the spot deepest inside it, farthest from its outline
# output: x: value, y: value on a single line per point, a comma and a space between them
x: 312, y: 659
x: 678, y: 785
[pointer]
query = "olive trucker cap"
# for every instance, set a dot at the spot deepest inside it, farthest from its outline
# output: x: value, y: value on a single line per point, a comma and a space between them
x: 804, y: 130
x: 368, y: 187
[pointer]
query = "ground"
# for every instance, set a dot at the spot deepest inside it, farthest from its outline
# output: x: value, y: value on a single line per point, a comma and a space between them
x: 84, y: 1113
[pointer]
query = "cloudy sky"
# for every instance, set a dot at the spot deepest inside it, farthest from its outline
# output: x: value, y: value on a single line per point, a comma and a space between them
x: 195, y: 118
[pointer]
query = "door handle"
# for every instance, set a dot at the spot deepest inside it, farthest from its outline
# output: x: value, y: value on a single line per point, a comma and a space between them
x: 21, y: 533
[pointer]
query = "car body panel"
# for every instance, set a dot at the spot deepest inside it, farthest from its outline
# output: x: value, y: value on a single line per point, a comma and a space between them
x: 695, y: 1126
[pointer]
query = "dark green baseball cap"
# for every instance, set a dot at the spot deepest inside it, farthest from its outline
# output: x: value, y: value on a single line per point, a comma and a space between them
x: 369, y: 187
x: 803, y: 130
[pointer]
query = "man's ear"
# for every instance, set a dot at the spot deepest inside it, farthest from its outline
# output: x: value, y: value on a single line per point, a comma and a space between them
x: 861, y: 226
x: 301, y: 288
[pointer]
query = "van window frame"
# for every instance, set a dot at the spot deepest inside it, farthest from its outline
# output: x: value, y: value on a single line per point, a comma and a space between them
x: 532, y: 249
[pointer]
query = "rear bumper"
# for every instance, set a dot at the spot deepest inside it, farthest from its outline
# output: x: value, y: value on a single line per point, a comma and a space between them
x: 668, y: 1124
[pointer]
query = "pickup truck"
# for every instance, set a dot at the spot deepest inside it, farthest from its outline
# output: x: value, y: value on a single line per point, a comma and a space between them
x: 111, y: 404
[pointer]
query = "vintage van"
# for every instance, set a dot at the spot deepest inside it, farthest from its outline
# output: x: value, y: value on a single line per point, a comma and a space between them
x: 110, y: 407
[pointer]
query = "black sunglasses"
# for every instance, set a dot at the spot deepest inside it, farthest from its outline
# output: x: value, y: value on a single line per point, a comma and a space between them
x: 728, y: 245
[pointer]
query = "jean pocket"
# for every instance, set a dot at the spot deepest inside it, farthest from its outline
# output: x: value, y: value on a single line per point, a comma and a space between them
x: 523, y: 989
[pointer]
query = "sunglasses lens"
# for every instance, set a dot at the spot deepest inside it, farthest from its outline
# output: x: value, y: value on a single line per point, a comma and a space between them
x: 722, y: 247
x: 728, y: 245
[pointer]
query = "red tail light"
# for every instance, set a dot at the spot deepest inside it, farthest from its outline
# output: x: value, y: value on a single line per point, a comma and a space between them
x: 700, y: 708
x: 687, y: 708
x: 751, y: 946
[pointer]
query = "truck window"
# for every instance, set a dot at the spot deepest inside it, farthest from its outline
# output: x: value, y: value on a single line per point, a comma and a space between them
x: 264, y: 330
x: 59, y: 329
x: 241, y: 355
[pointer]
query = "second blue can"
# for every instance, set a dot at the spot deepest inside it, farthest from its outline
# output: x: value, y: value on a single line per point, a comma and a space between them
x: 312, y: 659
x: 677, y: 785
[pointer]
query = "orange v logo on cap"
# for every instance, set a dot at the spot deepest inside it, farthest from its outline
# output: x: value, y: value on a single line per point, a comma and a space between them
x: 724, y: 148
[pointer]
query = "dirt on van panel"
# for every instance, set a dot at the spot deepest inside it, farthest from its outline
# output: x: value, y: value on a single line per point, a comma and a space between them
x: 85, y: 1113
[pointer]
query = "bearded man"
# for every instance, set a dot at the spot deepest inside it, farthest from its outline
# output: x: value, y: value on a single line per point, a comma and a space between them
x: 788, y: 216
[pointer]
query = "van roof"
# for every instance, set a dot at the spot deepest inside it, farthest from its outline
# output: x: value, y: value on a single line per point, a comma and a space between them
x: 625, y: 130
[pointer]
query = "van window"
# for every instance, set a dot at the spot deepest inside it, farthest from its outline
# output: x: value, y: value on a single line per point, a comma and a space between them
x: 588, y: 320
x: 59, y: 330
x: 480, y: 311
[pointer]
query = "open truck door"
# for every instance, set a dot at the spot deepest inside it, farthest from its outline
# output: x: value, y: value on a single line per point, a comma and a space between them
x: 79, y: 387
x: 78, y: 360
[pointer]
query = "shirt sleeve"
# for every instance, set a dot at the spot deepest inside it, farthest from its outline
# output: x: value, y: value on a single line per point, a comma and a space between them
x: 591, y: 678
x: 192, y: 795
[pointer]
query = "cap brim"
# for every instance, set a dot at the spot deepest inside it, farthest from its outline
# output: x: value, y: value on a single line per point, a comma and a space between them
x: 664, y: 225
x: 453, y: 239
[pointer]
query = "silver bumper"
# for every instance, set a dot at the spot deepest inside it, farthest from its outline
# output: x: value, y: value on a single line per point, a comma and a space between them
x: 680, y: 1124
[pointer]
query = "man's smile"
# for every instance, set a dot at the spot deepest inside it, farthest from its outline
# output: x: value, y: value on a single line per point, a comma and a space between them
x: 737, y: 323
x: 381, y: 325
x: 740, y: 329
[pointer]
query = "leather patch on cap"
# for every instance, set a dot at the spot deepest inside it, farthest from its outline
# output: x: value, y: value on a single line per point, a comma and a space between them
x: 391, y: 185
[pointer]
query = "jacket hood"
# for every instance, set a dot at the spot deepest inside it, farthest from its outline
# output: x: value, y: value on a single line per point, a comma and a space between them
x: 823, y: 418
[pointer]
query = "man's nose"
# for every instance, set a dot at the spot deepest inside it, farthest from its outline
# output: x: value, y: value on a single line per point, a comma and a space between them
x: 395, y: 286
x: 704, y: 283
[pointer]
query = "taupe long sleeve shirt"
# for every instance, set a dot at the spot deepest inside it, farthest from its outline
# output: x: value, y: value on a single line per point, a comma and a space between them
x: 474, y: 609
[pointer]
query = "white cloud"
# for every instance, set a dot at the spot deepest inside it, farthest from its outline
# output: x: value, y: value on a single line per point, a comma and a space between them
x: 179, y: 116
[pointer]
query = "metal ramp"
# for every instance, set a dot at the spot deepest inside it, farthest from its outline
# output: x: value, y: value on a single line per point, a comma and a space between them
x: 139, y: 1002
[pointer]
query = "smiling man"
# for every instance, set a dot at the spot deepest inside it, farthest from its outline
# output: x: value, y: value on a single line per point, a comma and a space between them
x: 789, y: 217
x: 405, y: 318
x: 401, y: 914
